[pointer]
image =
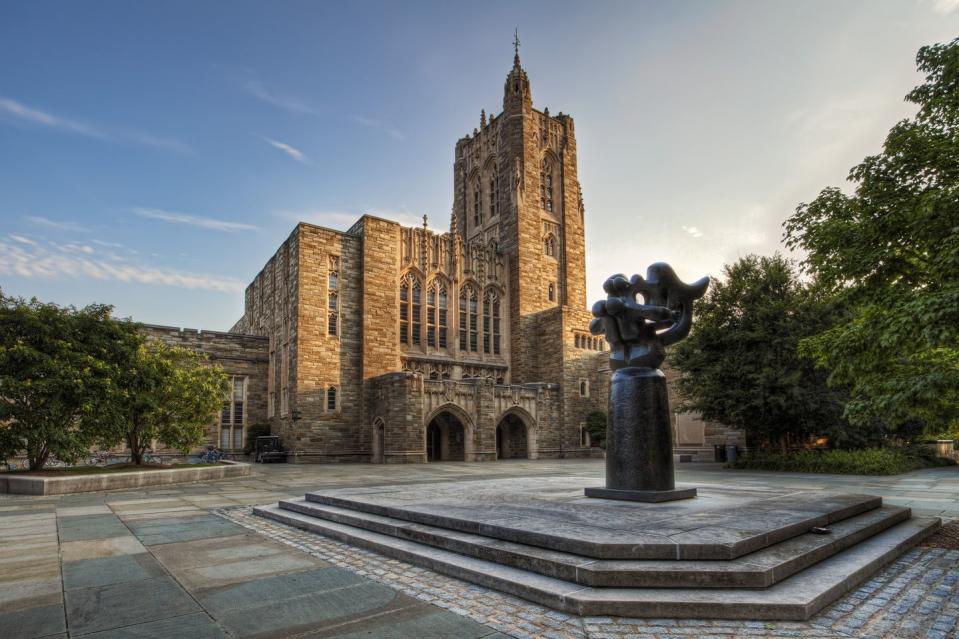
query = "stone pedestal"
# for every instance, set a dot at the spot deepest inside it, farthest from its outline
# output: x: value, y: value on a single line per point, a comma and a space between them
x: 639, y: 443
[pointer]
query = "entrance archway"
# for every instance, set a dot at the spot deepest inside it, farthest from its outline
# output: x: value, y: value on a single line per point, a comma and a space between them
x: 512, y: 438
x: 445, y: 438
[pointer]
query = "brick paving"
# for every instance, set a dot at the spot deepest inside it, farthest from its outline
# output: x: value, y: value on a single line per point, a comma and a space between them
x: 914, y: 597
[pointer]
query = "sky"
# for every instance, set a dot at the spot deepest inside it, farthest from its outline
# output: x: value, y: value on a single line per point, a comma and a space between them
x: 153, y: 156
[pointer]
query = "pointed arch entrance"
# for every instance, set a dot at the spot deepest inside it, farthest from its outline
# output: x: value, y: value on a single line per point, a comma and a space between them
x: 447, y: 435
x: 514, y: 438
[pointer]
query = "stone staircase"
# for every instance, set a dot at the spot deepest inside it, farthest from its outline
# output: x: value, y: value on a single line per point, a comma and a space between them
x: 729, y: 554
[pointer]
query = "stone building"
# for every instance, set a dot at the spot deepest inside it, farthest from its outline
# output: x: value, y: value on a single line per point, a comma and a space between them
x: 396, y: 344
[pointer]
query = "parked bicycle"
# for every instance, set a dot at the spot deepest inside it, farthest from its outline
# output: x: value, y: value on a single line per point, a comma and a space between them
x: 212, y: 455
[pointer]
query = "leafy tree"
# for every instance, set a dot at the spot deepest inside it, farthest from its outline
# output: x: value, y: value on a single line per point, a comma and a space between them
x: 740, y: 365
x: 166, y: 393
x: 596, y: 427
x: 890, y: 252
x: 54, y: 369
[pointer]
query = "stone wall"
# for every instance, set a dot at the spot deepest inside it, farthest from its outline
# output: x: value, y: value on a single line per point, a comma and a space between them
x: 237, y: 354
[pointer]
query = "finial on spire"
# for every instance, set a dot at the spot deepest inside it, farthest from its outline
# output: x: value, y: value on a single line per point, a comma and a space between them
x: 516, y: 47
x: 424, y: 222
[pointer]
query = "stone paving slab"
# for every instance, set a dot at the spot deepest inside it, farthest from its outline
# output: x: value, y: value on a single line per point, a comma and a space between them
x: 106, y: 571
x: 84, y: 527
x: 126, y: 604
x: 93, y: 548
x: 197, y: 625
x: 40, y: 621
x: 171, y: 530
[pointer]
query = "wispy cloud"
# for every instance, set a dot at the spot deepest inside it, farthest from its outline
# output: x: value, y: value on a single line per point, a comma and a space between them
x: 36, y: 116
x: 294, y: 153
x: 693, y: 230
x: 193, y: 220
x: 108, y: 244
x: 23, y: 240
x: 71, y: 227
x: 377, y: 124
x: 278, y: 99
x: 76, y: 262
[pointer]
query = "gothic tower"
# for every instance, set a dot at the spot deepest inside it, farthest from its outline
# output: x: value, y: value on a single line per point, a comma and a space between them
x: 516, y: 186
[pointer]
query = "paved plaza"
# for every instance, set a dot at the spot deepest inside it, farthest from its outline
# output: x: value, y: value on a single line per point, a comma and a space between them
x: 192, y: 561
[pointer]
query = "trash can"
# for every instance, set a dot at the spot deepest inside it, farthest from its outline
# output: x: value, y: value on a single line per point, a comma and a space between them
x: 719, y: 453
x: 731, y: 452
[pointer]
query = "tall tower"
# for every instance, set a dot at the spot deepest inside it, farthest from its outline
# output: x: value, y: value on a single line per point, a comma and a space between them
x: 516, y: 185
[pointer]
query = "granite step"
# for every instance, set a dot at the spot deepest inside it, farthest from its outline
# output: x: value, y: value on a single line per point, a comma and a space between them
x: 755, y: 570
x: 605, y: 529
x: 795, y: 598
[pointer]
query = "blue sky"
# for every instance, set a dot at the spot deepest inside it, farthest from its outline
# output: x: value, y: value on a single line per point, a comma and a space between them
x: 154, y: 155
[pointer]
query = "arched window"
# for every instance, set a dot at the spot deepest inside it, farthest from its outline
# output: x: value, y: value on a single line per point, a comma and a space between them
x: 468, y: 319
x: 551, y: 292
x: 410, y: 310
x: 583, y: 388
x: 546, y: 184
x: 331, y: 323
x: 442, y: 315
x: 434, y: 375
x: 549, y: 245
x: 331, y: 399
x: 577, y: 340
x: 477, y: 204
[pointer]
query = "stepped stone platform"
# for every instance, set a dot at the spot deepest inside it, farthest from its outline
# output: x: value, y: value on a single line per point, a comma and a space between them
x: 729, y: 553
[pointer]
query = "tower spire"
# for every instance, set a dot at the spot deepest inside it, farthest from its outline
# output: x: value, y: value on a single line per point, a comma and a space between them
x: 516, y: 47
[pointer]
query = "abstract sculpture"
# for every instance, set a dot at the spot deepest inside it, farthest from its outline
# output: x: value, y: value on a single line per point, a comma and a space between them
x: 639, y: 443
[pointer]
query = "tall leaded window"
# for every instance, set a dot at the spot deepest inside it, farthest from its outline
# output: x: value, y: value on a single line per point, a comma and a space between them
x: 410, y: 310
x: 496, y: 325
x: 437, y: 308
x: 477, y: 205
x: 416, y: 317
x: 405, y: 311
x: 233, y: 415
x: 488, y: 322
x: 474, y: 323
x: 443, y: 312
x: 431, y: 315
x: 468, y: 319
x: 331, y: 399
x: 493, y: 192
x: 551, y: 292
x: 332, y: 304
x: 491, y: 323
x: 546, y: 185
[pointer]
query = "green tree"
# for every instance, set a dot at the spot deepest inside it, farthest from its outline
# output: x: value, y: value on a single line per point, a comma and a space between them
x: 740, y: 365
x: 55, y: 368
x: 166, y: 393
x: 596, y: 427
x: 890, y: 252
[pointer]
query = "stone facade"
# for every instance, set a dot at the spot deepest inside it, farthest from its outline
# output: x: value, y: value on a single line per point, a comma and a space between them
x: 397, y: 344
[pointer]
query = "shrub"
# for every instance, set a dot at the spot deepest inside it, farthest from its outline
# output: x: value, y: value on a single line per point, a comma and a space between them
x: 254, y: 431
x: 868, y: 461
x: 596, y: 427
